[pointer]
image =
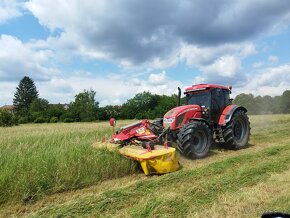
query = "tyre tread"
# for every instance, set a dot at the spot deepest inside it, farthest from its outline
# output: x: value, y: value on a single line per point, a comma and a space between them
x: 228, y: 134
x: 185, y: 135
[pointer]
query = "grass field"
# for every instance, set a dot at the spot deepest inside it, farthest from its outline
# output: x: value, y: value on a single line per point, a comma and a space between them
x: 51, y: 170
x: 37, y: 160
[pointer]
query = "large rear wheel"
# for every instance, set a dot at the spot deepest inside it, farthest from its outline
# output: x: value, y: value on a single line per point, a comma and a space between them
x: 194, y: 139
x: 237, y: 131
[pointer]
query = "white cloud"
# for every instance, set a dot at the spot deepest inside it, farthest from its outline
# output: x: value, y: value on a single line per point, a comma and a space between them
x: 267, y: 81
x: 134, y: 33
x: 218, y: 64
x: 226, y: 66
x: 109, y: 89
x: 274, y: 76
x: 116, y: 90
x: 10, y: 9
x: 56, y: 90
x: 18, y: 59
x: 248, y: 49
x: 273, y: 59
x: 138, y: 40
x: 7, y: 90
x: 204, y: 55
x: 199, y: 80
x: 157, y: 79
x: 258, y: 64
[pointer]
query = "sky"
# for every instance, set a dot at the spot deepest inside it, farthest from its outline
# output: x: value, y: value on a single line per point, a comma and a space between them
x: 122, y: 47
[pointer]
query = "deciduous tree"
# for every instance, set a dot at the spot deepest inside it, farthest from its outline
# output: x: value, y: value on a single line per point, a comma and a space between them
x: 84, y: 108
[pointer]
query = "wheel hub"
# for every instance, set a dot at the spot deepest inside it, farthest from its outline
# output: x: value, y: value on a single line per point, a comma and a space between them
x: 238, y: 129
x: 199, y: 141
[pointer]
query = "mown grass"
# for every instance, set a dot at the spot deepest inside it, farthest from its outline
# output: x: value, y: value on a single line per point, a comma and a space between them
x: 37, y: 160
x: 271, y: 194
x: 280, y: 204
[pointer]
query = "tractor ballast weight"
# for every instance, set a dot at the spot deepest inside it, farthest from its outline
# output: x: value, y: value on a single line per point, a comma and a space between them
x: 208, y: 116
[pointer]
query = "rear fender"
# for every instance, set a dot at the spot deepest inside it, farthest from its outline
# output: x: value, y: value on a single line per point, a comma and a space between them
x: 228, y: 113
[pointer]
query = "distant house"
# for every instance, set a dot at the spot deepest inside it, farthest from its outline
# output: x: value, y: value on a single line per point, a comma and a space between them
x: 10, y: 108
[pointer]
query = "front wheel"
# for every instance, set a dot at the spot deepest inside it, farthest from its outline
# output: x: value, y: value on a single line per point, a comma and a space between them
x: 194, y: 139
x: 237, y: 131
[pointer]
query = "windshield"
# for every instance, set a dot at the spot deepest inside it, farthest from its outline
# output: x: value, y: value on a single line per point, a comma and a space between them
x: 199, y: 98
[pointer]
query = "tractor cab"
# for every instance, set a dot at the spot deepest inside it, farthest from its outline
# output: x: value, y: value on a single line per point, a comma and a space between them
x: 212, y: 99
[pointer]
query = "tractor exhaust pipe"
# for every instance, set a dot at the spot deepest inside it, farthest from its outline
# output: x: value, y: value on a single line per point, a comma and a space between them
x: 178, y: 96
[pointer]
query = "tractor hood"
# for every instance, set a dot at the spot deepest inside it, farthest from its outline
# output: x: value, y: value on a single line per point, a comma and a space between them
x: 178, y: 116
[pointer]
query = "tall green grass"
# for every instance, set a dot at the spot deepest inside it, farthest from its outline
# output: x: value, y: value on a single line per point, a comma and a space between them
x: 36, y: 160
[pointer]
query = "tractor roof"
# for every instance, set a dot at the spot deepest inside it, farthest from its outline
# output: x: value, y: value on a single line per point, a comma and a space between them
x: 200, y: 87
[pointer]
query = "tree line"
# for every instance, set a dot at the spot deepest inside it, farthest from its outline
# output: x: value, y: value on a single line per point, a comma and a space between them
x: 265, y: 104
x: 30, y: 108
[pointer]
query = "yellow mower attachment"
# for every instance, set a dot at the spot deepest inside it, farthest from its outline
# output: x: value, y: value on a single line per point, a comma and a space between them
x: 158, y: 161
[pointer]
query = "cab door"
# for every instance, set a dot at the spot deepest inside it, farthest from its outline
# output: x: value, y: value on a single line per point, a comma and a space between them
x: 217, y: 104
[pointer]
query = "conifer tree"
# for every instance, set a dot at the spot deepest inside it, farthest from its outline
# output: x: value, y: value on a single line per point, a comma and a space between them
x: 25, y: 93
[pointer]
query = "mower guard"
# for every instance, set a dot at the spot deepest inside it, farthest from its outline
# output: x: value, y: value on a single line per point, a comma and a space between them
x: 136, y: 131
x: 161, y: 160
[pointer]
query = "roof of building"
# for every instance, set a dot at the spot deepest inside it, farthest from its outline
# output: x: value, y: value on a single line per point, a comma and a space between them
x: 8, y: 107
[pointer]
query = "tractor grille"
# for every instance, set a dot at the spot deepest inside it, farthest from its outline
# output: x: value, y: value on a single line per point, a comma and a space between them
x: 166, y: 125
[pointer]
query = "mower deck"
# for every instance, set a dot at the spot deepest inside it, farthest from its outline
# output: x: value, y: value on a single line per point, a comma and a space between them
x: 158, y: 161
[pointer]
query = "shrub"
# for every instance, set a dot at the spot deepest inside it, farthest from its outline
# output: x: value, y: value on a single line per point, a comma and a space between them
x: 68, y: 120
x: 23, y: 120
x: 140, y: 116
x: 7, y: 118
x: 40, y: 120
x: 53, y: 120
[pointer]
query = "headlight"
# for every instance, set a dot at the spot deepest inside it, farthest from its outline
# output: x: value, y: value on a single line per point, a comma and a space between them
x: 168, y: 120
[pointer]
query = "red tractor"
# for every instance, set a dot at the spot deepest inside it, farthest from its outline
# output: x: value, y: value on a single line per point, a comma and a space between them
x: 208, y: 115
